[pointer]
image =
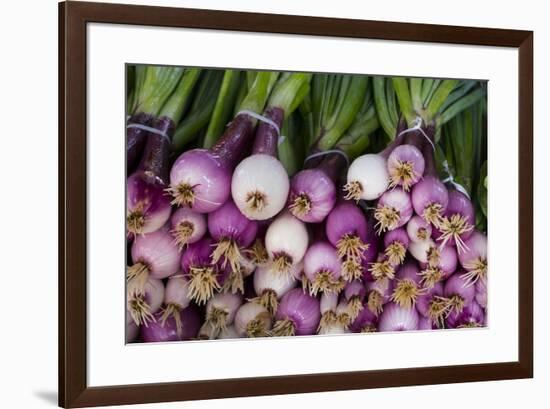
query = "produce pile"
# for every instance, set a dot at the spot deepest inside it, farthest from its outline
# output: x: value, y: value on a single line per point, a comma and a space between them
x: 277, y: 204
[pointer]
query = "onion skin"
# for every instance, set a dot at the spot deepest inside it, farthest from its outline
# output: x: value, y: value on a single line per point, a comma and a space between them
x: 323, y: 268
x: 142, y: 306
x: 156, y: 332
x: 407, y: 286
x: 204, y: 277
x: 367, y: 178
x: 187, y: 226
x: 366, y: 321
x: 393, y: 210
x: 158, y: 252
x: 346, y: 219
x: 396, y: 243
x: 229, y: 222
x: 423, y: 301
x: 420, y: 250
x: 132, y: 330
x: 287, y: 237
x: 418, y: 229
x: 252, y: 320
x: 395, y: 318
x: 318, y: 193
x: 147, y: 205
x: 302, y: 310
x: 481, y: 292
x: 471, y: 316
x: 459, y: 210
x: 459, y: 293
x: 425, y: 324
x: 405, y: 166
x: 428, y: 192
x: 474, y: 258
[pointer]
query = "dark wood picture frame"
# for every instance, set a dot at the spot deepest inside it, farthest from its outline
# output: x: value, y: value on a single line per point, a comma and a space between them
x: 73, y: 388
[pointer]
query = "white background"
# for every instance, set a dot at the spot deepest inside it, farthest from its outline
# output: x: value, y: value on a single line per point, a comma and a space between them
x: 28, y: 165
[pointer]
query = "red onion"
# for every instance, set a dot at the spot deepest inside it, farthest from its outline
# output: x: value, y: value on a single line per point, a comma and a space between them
x: 382, y: 269
x: 270, y: 286
x: 396, y: 318
x: 176, y: 298
x: 429, y: 199
x: 472, y: 316
x: 143, y: 305
x: 405, y: 166
x: 232, y: 232
x: 459, y: 293
x: 425, y: 324
x: 354, y: 294
x: 378, y: 294
x: 365, y: 322
x: 346, y: 229
x: 157, y: 332
x: 481, y: 292
x: 154, y: 255
x: 396, y: 243
x: 418, y: 229
x: 220, y: 312
x: 203, y: 276
x: 252, y: 320
x: 393, y: 210
x: 458, y: 223
x: 147, y: 206
x: 441, y: 263
x: 407, y: 286
x: 474, y: 258
x: 298, y: 314
x: 286, y: 241
x: 323, y: 268
x: 132, y: 330
x: 432, y: 305
x: 187, y: 226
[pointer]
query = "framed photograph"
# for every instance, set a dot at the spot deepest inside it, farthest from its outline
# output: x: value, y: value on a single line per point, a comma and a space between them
x: 256, y: 204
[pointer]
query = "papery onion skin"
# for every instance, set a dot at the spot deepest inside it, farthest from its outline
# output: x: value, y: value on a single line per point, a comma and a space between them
x: 367, y: 177
x: 346, y: 219
x: 428, y: 192
x: 157, y: 332
x: 187, y: 226
x: 418, y: 229
x: 158, y: 252
x: 318, y: 193
x: 229, y: 222
x: 301, y: 309
x: 396, y: 318
x: 405, y: 156
x: 321, y: 259
x: 397, y: 204
x: 147, y: 205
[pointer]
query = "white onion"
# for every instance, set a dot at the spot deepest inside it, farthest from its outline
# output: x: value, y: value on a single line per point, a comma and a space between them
x: 265, y: 278
x: 251, y: 312
x: 370, y: 173
x: 264, y: 176
x: 287, y: 236
x: 228, y: 333
x: 419, y: 249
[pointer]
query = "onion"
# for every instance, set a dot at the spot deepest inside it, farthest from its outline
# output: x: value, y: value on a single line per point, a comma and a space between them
x: 421, y: 249
x: 176, y: 298
x: 187, y: 226
x: 405, y: 166
x: 481, y: 292
x: 354, y: 294
x: 286, y: 242
x: 220, y: 312
x: 472, y: 316
x: 396, y: 243
x: 367, y: 178
x: 197, y: 266
x: 298, y: 314
x: 228, y: 333
x: 432, y: 305
x: 143, y: 305
x: 147, y: 206
x: 157, y: 332
x: 382, y: 269
x: 270, y: 286
x: 429, y: 199
x: 396, y: 318
x: 154, y: 255
x: 232, y: 232
x: 474, y: 258
x: 407, y: 286
x: 132, y: 330
x: 418, y: 229
x: 323, y: 268
x: 393, y: 210
x: 378, y: 294
x: 346, y: 229
x: 459, y: 293
x: 329, y: 318
x: 365, y: 322
x: 441, y: 263
x: 252, y: 320
x: 458, y: 223
x: 425, y: 324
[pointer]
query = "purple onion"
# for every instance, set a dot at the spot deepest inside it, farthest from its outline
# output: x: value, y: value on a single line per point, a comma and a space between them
x: 396, y: 318
x: 298, y: 314
x: 441, y: 262
x: 187, y: 226
x: 355, y: 293
x: 380, y: 269
x: 481, y: 292
x: 203, y: 276
x: 393, y: 210
x: 405, y: 166
x: 418, y: 229
x: 407, y: 285
x: 472, y: 316
x: 176, y: 298
x: 323, y: 268
x: 157, y: 332
x: 132, y: 330
x: 433, y: 305
x: 425, y: 324
x: 366, y: 321
x: 312, y: 195
x: 143, y: 305
x: 396, y: 243
x: 429, y: 199
x: 474, y: 258
x: 459, y: 293
x: 378, y: 294
x: 220, y: 312
x: 458, y: 222
x: 147, y: 205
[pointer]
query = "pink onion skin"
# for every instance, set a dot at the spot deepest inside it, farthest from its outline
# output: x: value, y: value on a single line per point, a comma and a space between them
x: 476, y: 249
x: 395, y: 318
x: 399, y: 234
x: 414, y: 225
x: 456, y: 285
x: 209, y: 176
x: 148, y: 198
x: 461, y: 205
x: 229, y: 222
x: 321, y: 256
x: 365, y: 319
x: 176, y: 292
x: 448, y: 260
x: 319, y: 189
x: 384, y: 287
x: 407, y: 153
x: 427, y: 191
x: 355, y: 289
x: 346, y: 218
x: 226, y: 301
x: 157, y: 332
x: 409, y: 271
x: 198, y: 221
x: 425, y: 324
x: 301, y: 309
x: 481, y: 292
x: 471, y: 314
x: 423, y: 300
x: 132, y: 330
x: 158, y: 252
x: 197, y: 255
x: 401, y: 201
x: 265, y: 279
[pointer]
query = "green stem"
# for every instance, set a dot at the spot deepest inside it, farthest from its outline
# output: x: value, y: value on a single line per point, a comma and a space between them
x: 357, y: 139
x: 416, y: 94
x: 287, y: 91
x: 460, y: 105
x: 382, y: 108
x: 180, y: 99
x: 257, y: 95
x: 401, y: 86
x: 224, y: 105
x: 158, y: 85
x: 438, y: 98
x: 391, y: 100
